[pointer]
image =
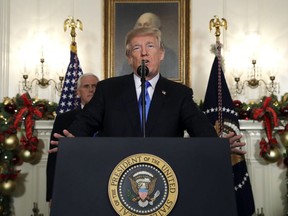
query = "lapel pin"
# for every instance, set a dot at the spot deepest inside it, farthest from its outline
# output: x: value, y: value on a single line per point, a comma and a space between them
x: 163, y: 92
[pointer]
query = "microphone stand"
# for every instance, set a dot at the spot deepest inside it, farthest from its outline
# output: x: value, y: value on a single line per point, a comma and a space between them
x: 143, y: 102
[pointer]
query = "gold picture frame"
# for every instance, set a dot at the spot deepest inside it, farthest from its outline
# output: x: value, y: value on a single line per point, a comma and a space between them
x: 120, y: 17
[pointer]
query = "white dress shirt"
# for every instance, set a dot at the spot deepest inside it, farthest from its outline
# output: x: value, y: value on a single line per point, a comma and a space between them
x: 153, y: 83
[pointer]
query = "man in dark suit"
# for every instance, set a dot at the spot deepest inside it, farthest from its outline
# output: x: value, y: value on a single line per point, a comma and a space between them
x: 86, y: 86
x: 114, y: 110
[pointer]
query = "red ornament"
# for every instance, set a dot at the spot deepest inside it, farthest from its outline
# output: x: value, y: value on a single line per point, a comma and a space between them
x: 285, y: 161
x: 284, y: 110
x: 10, y: 108
x: 2, y: 138
x: 237, y: 104
x: 16, y: 160
x: 244, y: 114
x: 42, y: 108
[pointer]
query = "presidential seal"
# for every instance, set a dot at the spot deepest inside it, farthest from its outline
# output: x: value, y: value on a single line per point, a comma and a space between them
x: 143, y: 184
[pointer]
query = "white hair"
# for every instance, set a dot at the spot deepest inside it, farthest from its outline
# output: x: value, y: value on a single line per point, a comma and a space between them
x: 85, y: 75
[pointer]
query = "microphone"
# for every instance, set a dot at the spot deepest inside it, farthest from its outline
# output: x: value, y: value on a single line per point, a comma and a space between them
x: 143, y: 70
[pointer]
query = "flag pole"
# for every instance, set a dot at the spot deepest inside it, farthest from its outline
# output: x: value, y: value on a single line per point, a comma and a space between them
x: 69, y: 99
x: 220, y: 110
x: 217, y: 24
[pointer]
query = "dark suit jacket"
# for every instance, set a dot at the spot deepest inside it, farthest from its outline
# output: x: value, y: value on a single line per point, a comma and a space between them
x: 114, y: 111
x: 62, y: 121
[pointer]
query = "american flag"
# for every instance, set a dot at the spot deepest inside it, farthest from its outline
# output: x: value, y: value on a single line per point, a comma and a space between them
x: 220, y: 110
x: 69, y: 100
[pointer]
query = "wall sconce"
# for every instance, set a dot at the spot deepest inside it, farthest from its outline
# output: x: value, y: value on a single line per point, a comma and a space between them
x: 253, y: 82
x: 43, y: 82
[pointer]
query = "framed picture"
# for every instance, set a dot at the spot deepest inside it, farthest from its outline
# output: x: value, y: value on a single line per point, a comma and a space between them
x: 170, y: 16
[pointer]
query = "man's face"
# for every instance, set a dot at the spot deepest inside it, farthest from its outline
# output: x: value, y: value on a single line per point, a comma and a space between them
x: 146, y: 20
x: 87, y: 89
x: 146, y: 48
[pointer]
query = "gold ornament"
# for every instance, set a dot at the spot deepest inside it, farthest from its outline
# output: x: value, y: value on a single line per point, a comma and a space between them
x: 11, y: 142
x: 2, y: 118
x: 276, y: 103
x: 36, y: 158
x: 7, y: 100
x: 272, y: 155
x: 284, y: 138
x: 284, y: 98
x: 8, y: 187
x: 27, y: 156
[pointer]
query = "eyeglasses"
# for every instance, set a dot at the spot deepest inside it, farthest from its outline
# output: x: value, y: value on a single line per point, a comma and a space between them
x: 88, y: 86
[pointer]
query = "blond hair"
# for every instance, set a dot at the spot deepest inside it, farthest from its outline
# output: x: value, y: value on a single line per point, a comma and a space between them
x: 142, y: 32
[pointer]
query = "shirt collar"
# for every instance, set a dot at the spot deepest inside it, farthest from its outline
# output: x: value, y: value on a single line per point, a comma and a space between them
x: 153, y: 81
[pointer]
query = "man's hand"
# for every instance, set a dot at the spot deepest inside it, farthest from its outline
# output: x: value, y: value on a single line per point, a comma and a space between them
x: 56, y: 135
x: 235, y: 143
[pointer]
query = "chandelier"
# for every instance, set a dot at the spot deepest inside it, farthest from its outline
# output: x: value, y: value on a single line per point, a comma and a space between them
x: 42, y: 82
x: 253, y: 82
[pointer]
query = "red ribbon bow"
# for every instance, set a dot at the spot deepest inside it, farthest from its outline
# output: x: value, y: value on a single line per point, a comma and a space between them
x: 29, y: 144
x: 270, y: 120
x: 29, y: 112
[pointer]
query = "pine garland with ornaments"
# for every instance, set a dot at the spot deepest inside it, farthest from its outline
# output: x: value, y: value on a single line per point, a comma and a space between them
x: 18, y: 143
x: 272, y: 113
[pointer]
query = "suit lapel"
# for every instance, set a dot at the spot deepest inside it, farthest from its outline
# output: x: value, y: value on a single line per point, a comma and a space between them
x: 130, y: 102
x: 156, y: 105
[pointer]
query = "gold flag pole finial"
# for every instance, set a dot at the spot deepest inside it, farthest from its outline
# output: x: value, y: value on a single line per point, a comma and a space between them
x: 71, y: 23
x: 217, y: 23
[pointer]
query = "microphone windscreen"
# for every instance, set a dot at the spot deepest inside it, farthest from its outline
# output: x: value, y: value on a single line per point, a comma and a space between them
x: 145, y: 68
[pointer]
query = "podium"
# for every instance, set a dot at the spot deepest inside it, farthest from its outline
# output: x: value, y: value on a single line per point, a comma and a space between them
x: 104, y: 176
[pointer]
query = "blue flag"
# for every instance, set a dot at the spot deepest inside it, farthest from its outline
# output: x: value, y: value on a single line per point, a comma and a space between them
x: 220, y: 110
x: 69, y: 100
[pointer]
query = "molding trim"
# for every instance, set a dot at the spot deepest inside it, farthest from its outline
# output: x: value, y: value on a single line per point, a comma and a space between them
x: 4, y: 47
x: 254, y: 125
x: 44, y: 124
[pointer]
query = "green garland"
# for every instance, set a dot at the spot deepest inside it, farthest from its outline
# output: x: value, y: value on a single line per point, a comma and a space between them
x: 18, y: 143
x: 279, y: 106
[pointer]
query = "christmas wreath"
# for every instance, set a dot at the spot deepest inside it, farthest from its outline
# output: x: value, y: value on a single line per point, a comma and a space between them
x: 18, y: 141
x: 272, y: 113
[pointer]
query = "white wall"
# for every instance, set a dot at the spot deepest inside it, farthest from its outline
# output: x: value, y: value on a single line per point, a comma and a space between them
x: 264, y: 17
x: 22, y: 20
x: 29, y: 17
x: 201, y: 40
